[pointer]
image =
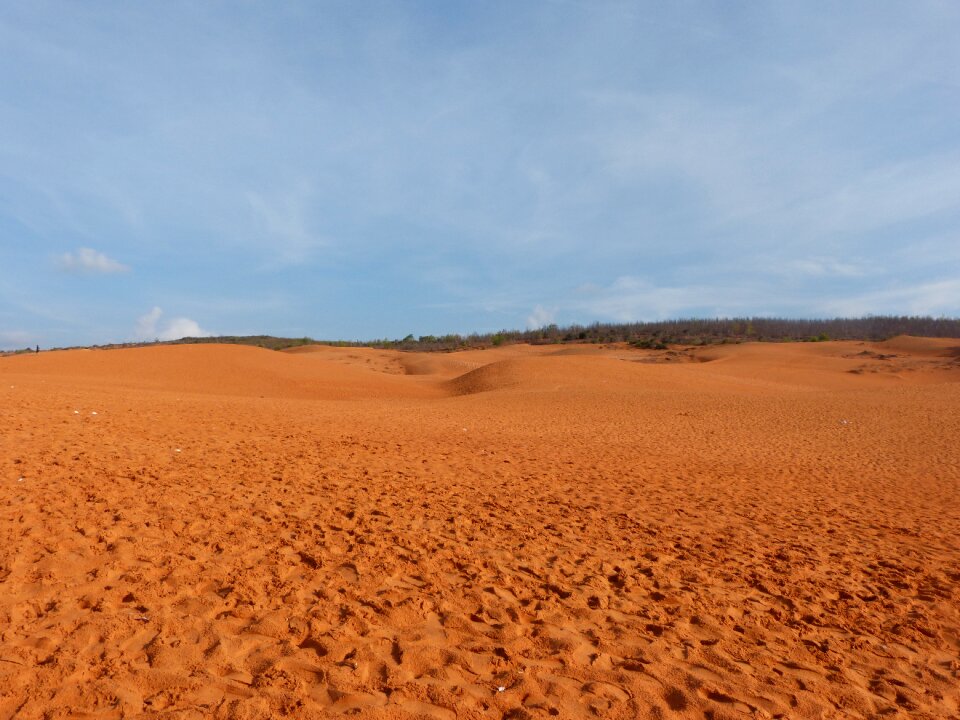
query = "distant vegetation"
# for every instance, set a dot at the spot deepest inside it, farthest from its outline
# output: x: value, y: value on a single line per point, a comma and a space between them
x: 16, y: 352
x: 650, y: 335
x: 265, y: 341
x: 658, y: 335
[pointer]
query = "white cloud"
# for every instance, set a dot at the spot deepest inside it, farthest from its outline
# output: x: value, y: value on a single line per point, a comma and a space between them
x: 148, y: 327
x: 183, y: 327
x: 87, y: 261
x: 540, y: 317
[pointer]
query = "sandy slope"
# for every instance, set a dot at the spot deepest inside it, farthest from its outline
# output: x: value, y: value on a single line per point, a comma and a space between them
x: 737, y: 531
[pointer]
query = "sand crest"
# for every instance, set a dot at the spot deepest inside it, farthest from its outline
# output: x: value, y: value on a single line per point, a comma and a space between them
x: 523, y: 532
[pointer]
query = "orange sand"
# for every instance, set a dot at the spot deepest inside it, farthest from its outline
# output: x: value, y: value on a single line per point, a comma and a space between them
x: 735, y: 531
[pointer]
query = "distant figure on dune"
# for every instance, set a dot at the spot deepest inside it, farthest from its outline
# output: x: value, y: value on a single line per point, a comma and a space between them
x: 38, y: 349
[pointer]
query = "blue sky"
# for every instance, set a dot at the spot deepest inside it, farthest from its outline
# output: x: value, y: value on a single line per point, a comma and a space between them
x: 368, y: 169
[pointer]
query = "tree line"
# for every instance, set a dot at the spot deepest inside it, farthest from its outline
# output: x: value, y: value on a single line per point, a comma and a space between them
x: 656, y: 335
x: 694, y: 331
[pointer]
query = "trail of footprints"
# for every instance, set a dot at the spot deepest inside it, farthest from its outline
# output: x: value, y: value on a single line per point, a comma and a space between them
x: 359, y: 589
x: 297, y: 607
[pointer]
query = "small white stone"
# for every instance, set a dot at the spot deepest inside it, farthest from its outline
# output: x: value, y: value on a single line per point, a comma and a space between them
x: 94, y: 412
x: 501, y: 688
x: 177, y: 450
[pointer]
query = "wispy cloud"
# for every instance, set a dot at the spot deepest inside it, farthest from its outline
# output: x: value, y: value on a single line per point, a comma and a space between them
x: 149, y: 327
x: 540, y: 317
x: 425, y: 169
x: 282, y: 222
x: 939, y: 297
x: 892, y: 195
x: 87, y: 261
x: 631, y: 298
x: 824, y: 267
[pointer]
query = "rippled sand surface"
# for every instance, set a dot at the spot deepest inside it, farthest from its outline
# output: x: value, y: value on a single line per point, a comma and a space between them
x: 748, y: 531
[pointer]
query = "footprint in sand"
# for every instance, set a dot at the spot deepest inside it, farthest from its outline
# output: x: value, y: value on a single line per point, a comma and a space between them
x: 348, y: 571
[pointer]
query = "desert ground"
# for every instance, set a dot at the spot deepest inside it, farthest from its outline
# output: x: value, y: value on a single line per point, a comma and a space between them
x: 736, y: 531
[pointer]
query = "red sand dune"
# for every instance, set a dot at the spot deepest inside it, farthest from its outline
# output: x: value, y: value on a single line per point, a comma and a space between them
x: 734, y: 531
